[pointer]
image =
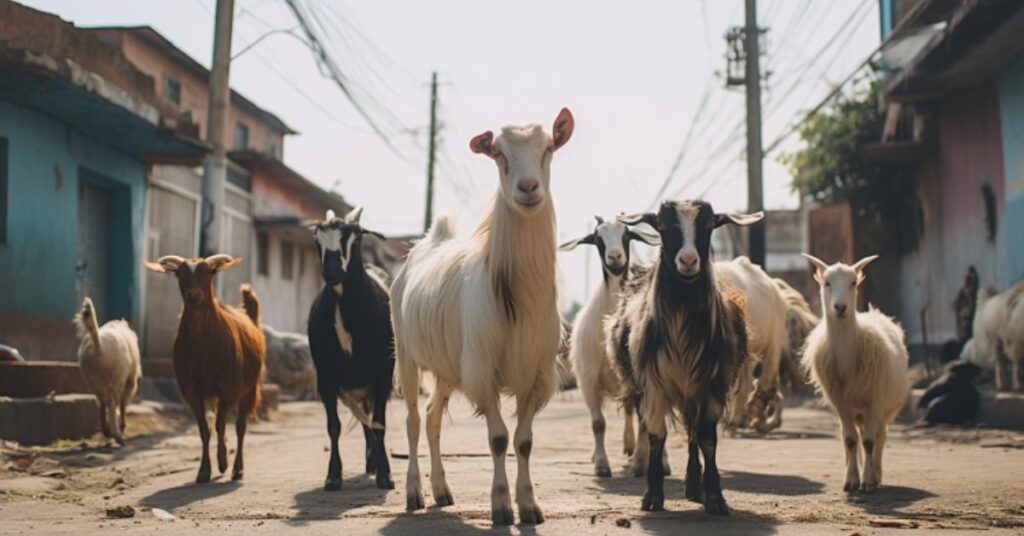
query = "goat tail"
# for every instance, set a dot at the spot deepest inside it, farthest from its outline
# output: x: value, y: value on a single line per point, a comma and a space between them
x: 86, y: 324
x: 250, y: 303
x: 443, y: 229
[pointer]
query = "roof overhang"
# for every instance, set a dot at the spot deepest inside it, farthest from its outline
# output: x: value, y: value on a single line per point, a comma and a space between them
x: 288, y: 178
x: 67, y: 92
x: 979, y: 37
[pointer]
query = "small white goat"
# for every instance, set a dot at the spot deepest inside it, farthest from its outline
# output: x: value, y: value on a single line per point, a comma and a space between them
x: 859, y: 361
x: 754, y: 401
x: 999, y: 332
x: 481, y: 314
x: 109, y: 359
x: 587, y: 342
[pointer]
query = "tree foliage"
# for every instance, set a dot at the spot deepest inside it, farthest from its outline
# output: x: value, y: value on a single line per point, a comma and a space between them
x: 829, y: 168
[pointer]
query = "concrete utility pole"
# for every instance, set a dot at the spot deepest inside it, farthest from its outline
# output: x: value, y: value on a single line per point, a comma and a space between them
x: 215, y: 169
x: 429, y: 216
x: 755, y: 186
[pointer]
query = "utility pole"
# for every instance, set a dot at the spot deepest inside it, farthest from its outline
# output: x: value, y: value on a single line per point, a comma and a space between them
x: 216, y: 165
x: 755, y: 185
x: 429, y: 216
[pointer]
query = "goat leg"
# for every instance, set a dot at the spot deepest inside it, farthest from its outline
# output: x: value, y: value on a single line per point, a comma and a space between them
x: 707, y: 434
x: 330, y: 401
x: 199, y: 410
x: 379, y: 454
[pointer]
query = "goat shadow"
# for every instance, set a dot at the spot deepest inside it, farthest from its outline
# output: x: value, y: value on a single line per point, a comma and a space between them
x: 319, y: 505
x: 889, y: 500
x: 760, y: 483
x: 696, y: 521
x: 449, y: 523
x: 171, y: 499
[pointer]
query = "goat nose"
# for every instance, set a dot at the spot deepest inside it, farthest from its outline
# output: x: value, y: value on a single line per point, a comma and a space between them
x: 689, y: 259
x: 841, y: 309
x: 615, y: 256
x: 529, y: 185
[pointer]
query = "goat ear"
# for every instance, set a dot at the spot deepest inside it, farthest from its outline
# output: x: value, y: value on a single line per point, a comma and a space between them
x: 737, y: 218
x: 155, y: 267
x: 649, y: 218
x: 861, y: 264
x: 571, y: 245
x: 310, y: 224
x: 650, y: 238
x: 483, y: 144
x: 599, y: 219
x: 563, y: 127
x: 354, y: 215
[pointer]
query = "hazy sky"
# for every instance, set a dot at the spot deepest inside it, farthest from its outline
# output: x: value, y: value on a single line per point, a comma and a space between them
x: 633, y: 73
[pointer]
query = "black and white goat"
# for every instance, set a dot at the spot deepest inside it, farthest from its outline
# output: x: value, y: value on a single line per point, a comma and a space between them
x: 594, y: 373
x: 680, y: 338
x: 352, y: 343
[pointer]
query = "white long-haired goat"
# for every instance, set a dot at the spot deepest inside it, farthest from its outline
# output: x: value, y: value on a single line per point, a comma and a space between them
x: 480, y: 313
x: 999, y: 333
x: 859, y: 361
x: 109, y: 359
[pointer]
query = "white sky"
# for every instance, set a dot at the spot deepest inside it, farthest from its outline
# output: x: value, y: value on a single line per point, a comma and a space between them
x: 633, y: 73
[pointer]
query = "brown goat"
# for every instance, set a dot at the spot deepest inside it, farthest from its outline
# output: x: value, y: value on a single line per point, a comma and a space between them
x: 218, y: 353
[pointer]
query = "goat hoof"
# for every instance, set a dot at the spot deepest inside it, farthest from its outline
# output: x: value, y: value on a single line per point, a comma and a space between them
x: 716, y: 506
x: 694, y: 493
x: 502, y: 516
x: 652, y: 503
x: 414, y: 501
x: 443, y: 498
x: 333, y: 483
x: 530, y: 515
x: 869, y: 487
x: 603, y: 471
x: 628, y: 451
x: 237, y: 475
x: 203, y: 478
x: 851, y: 486
x: 120, y: 441
x: 385, y: 482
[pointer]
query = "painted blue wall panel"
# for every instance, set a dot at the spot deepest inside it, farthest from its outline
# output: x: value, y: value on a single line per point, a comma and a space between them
x: 1011, y: 104
x: 37, y: 265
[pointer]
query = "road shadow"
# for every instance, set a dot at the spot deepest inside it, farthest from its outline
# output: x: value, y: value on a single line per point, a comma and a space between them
x: 171, y: 499
x: 696, y: 521
x: 622, y: 482
x: 889, y: 500
x: 786, y: 485
x: 444, y: 522
x: 319, y: 505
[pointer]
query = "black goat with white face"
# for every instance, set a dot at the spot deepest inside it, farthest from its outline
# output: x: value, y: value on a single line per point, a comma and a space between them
x: 351, y: 341
x: 679, y: 339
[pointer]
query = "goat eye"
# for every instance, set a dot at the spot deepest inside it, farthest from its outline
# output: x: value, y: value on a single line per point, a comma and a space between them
x: 827, y: 284
x: 853, y: 285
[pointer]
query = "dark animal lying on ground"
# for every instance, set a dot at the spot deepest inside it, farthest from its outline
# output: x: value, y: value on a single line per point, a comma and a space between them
x: 953, y: 398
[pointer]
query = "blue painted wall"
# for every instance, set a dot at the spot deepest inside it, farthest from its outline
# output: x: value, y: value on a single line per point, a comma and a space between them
x: 46, y: 160
x: 1011, y: 104
x: 885, y: 14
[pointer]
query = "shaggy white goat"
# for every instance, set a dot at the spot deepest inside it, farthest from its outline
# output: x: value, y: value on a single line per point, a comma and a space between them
x: 481, y: 314
x: 594, y: 373
x: 753, y: 400
x: 859, y: 361
x: 999, y: 332
x: 109, y: 359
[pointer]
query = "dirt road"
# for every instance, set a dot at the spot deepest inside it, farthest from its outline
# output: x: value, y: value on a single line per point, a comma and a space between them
x: 789, y: 483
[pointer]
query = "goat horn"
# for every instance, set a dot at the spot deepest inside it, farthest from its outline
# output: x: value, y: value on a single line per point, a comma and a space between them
x: 861, y: 264
x: 214, y: 261
x: 599, y: 219
x: 354, y: 216
x: 170, y: 261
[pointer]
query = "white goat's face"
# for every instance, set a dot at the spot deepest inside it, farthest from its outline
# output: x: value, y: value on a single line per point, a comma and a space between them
x: 612, y: 245
x: 523, y: 156
x: 839, y: 285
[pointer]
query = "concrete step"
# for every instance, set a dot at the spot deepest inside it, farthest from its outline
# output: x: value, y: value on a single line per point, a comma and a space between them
x: 998, y: 409
x: 33, y: 379
x: 41, y: 420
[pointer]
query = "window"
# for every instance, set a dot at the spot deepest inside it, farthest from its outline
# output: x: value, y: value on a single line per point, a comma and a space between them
x: 287, y: 260
x: 172, y: 90
x: 273, y: 149
x: 262, y: 253
x: 241, y: 136
x: 3, y: 190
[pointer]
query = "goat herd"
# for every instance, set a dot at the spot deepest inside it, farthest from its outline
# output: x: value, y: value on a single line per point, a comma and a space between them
x: 678, y: 339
